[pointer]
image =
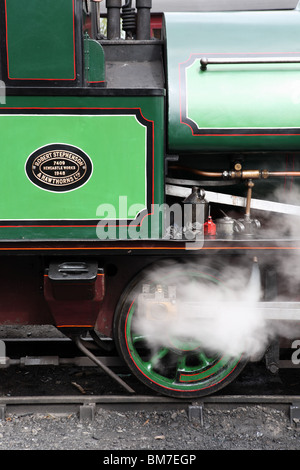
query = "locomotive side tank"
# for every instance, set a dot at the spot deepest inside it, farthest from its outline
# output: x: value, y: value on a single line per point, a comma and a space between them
x: 144, y: 179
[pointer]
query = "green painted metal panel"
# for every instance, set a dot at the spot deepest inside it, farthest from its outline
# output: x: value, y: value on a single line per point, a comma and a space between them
x: 228, y: 101
x: 121, y: 137
x: 233, y: 107
x: 94, y: 61
x: 38, y: 45
x: 114, y: 171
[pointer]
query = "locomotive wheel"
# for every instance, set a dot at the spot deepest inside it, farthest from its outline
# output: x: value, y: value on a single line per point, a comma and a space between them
x: 179, y: 368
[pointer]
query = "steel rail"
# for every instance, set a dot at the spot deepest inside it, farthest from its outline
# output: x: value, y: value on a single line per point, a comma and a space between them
x: 145, y: 399
x: 87, y: 405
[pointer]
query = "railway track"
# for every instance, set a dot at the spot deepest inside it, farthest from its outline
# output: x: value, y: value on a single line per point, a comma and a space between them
x: 38, y: 380
x: 87, y: 406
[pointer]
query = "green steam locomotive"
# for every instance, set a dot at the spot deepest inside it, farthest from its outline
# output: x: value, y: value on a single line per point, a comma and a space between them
x: 149, y: 183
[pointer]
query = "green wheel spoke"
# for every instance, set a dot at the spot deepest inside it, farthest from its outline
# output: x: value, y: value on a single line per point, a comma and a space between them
x: 204, y: 360
x: 200, y: 362
x: 181, y: 363
x: 137, y: 338
x: 155, y: 358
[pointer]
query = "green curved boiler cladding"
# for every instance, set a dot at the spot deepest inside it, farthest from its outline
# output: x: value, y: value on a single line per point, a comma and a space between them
x: 233, y: 106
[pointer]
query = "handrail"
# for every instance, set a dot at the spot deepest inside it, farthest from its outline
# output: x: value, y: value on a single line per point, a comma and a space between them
x: 204, y: 62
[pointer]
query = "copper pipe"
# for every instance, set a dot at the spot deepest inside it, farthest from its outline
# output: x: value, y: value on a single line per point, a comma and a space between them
x: 243, y: 174
x: 209, y: 174
x: 283, y: 173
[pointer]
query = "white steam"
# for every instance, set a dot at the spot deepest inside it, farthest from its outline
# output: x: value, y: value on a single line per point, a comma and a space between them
x: 218, y: 311
x: 219, y: 316
x: 222, y: 315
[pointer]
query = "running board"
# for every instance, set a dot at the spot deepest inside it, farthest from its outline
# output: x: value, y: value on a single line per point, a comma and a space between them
x: 238, y: 201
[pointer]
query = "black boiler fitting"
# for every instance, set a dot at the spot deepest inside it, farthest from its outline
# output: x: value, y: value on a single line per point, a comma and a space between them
x: 113, y: 18
x: 143, y: 19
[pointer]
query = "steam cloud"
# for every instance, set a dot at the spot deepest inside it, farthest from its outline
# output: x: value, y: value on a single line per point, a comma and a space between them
x: 219, y: 317
x: 226, y: 319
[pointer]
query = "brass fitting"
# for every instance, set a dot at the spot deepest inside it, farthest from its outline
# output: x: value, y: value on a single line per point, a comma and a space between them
x: 245, y: 174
